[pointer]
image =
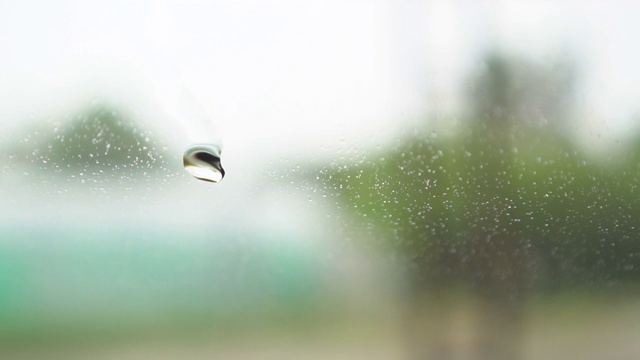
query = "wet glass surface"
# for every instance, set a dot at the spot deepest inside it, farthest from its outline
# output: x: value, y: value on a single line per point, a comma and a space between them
x: 402, y: 180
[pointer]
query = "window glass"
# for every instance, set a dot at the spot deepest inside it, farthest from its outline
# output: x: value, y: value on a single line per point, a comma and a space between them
x: 371, y: 180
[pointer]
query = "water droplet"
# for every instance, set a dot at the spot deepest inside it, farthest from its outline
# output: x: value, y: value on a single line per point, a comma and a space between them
x: 202, y: 161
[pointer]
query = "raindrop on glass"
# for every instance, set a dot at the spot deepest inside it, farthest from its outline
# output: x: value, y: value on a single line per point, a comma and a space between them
x: 202, y: 161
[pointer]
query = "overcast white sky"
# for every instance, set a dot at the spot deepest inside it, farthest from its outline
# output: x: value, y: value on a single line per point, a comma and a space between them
x: 300, y: 76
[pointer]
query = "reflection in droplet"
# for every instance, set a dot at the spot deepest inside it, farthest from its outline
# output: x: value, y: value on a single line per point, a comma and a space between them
x: 203, y: 162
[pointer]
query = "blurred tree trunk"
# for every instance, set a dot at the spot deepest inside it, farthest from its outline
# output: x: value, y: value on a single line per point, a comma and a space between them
x: 491, y: 266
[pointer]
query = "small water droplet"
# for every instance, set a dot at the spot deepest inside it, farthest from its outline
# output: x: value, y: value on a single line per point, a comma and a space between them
x: 202, y: 161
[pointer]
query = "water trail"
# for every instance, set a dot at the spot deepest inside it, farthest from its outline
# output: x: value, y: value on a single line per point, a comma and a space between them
x: 202, y: 156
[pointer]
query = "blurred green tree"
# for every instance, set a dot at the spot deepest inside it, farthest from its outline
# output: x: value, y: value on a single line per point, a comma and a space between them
x: 99, y: 143
x: 506, y: 205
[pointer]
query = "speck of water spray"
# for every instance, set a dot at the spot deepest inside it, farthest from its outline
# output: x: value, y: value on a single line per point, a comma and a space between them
x: 202, y: 161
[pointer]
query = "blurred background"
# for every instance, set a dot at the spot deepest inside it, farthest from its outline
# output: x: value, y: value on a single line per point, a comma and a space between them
x: 404, y: 180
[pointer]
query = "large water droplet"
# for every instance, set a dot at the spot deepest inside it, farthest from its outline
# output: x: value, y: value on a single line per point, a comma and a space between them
x: 203, y: 162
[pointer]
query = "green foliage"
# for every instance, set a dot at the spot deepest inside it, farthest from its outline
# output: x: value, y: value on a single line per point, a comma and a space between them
x: 99, y: 140
x: 101, y: 133
x: 504, y: 205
